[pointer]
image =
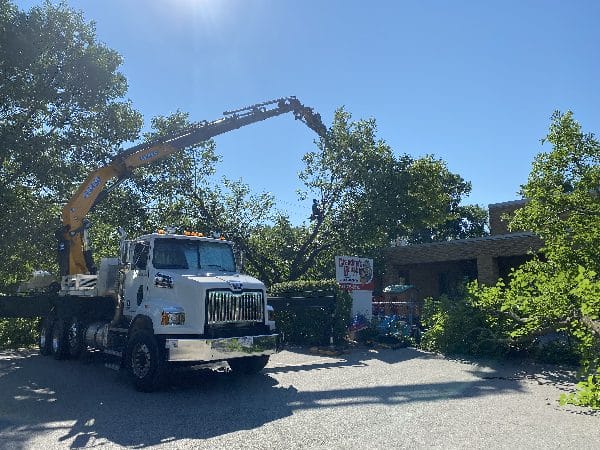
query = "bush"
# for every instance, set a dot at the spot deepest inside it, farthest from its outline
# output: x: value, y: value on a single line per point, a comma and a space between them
x: 457, y: 326
x: 18, y: 333
x: 313, y: 326
x: 588, y: 393
x: 556, y: 348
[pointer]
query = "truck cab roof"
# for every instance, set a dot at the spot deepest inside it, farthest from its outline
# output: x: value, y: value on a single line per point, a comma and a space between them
x: 148, y: 237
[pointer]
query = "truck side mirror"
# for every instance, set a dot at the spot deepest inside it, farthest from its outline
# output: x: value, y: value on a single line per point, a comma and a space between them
x: 124, y: 250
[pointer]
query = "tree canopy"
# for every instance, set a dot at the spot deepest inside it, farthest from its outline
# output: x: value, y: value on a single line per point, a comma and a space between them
x: 563, y: 209
x: 61, y: 112
x: 559, y: 293
x: 564, y: 193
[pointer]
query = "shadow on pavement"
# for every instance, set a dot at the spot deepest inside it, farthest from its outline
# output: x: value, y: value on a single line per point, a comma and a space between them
x: 354, y: 358
x: 563, y: 378
x: 88, y: 402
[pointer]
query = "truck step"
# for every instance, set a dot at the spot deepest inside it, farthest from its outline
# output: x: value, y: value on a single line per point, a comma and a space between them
x: 113, y: 353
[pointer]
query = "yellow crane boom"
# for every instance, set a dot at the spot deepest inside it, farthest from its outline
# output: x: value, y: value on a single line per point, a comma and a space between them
x: 74, y: 256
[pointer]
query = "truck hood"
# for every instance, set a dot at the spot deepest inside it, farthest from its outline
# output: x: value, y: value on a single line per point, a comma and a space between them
x: 188, y: 291
x: 235, y: 282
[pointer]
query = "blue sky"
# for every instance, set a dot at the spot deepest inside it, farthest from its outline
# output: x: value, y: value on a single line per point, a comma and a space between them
x: 472, y: 82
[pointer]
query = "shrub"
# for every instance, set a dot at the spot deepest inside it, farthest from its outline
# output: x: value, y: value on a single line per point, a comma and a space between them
x: 313, y: 326
x: 588, y: 393
x: 458, y: 326
x: 18, y: 333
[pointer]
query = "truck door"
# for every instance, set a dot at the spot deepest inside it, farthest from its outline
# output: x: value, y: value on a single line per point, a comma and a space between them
x: 136, y: 278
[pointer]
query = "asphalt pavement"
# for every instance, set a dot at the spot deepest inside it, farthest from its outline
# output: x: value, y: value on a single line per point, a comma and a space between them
x: 368, y: 398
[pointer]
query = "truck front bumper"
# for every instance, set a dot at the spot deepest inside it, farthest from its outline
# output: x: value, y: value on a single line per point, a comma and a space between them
x: 204, y: 350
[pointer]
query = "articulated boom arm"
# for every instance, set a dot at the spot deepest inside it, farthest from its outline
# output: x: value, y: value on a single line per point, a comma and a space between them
x: 74, y: 258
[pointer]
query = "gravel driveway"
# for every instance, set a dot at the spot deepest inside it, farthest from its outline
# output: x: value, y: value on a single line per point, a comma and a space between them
x: 365, y: 399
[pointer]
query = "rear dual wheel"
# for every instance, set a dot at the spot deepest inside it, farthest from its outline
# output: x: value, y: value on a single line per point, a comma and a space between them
x: 58, y: 345
x: 62, y: 339
x: 45, y: 337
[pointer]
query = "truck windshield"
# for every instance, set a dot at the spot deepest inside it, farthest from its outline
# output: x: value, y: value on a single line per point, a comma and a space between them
x: 195, y: 255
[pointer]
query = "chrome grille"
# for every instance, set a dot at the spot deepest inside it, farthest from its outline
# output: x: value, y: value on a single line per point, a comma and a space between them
x: 230, y: 307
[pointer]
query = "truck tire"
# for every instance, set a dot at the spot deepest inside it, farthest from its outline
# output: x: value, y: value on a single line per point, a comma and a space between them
x: 74, y: 333
x: 248, y: 365
x: 59, y: 340
x: 45, y: 337
x: 145, y: 361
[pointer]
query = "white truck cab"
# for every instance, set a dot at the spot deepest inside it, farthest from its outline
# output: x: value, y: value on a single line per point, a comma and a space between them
x: 185, y: 284
x: 189, y: 288
x: 178, y: 298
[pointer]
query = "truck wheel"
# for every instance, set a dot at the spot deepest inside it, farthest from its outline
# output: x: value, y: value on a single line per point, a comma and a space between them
x: 45, y: 338
x: 74, y: 338
x: 59, y: 340
x: 248, y: 365
x: 146, y: 362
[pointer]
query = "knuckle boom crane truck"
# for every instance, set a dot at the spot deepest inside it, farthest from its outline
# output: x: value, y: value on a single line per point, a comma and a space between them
x: 168, y: 298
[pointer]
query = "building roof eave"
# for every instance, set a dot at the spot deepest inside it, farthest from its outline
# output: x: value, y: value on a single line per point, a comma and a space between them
x: 510, y: 244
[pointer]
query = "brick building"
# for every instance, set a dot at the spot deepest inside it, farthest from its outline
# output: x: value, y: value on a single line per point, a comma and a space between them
x: 440, y: 267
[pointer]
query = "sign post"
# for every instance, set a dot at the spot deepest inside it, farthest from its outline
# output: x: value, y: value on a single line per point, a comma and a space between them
x: 356, y: 276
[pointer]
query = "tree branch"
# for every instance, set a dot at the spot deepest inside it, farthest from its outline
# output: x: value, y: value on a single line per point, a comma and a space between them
x: 303, y: 268
x: 516, y: 318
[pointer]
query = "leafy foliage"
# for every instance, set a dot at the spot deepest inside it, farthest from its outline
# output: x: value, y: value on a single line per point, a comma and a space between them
x: 564, y: 193
x: 462, y: 326
x: 313, y: 326
x: 18, y: 333
x: 551, y: 303
x: 61, y: 112
x: 588, y: 393
x: 564, y: 209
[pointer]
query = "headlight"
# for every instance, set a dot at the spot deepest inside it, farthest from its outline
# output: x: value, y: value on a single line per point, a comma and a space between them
x: 172, y: 316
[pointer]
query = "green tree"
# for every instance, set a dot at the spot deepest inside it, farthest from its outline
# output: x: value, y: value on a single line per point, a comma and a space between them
x: 61, y: 114
x: 564, y: 193
x: 564, y: 209
x: 561, y: 292
x: 368, y: 196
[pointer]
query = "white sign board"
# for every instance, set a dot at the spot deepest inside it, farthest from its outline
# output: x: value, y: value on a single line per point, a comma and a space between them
x: 354, y: 273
